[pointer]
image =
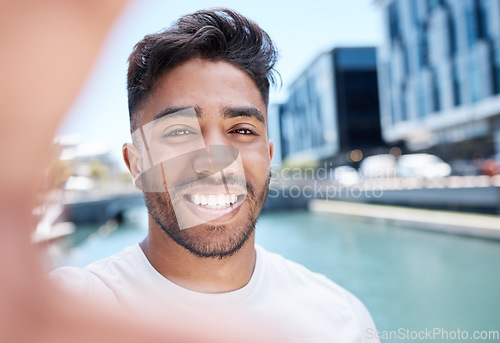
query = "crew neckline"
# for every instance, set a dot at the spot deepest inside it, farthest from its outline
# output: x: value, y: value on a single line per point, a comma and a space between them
x: 208, y: 299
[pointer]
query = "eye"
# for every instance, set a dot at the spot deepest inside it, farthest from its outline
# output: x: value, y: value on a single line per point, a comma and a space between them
x: 179, y: 133
x: 244, y: 131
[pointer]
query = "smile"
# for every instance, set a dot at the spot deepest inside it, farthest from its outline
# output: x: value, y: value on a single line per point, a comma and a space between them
x: 214, y: 206
x: 214, y: 201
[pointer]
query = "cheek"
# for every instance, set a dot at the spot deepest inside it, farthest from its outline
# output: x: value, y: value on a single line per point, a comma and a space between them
x: 256, y: 163
x: 164, y: 152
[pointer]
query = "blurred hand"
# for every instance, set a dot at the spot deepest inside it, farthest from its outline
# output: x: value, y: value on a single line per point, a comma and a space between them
x: 47, y: 49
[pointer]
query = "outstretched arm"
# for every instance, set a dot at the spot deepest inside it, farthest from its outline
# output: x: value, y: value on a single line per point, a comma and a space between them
x: 47, y: 48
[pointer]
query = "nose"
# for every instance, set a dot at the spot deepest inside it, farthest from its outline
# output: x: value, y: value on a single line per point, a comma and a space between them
x: 215, y: 158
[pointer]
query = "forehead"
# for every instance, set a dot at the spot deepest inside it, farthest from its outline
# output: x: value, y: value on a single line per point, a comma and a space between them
x: 210, y: 86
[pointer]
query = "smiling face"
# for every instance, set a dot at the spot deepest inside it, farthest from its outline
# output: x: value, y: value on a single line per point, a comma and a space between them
x: 202, y: 156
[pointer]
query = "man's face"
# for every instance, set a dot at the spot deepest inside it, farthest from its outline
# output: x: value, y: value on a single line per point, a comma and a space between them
x: 204, y: 156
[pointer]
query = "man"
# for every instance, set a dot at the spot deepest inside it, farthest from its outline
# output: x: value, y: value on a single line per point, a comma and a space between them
x: 198, y: 96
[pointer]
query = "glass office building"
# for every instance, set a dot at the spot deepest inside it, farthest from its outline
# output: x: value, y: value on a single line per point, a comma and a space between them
x: 439, y: 76
x: 332, y: 106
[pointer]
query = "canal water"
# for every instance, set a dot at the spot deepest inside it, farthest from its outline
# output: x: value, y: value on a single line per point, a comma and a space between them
x: 409, y: 279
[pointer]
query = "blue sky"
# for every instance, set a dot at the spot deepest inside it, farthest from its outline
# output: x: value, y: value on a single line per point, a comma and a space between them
x: 300, y: 29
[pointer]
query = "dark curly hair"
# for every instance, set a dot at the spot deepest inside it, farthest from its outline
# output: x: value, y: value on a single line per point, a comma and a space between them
x: 214, y: 35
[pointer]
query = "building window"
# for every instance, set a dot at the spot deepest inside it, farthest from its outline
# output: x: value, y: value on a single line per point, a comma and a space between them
x: 436, y: 94
x: 480, y: 19
x: 457, y: 98
x: 474, y: 77
x: 406, y: 59
x: 452, y: 32
x: 483, y: 18
x: 496, y: 68
x: 393, y: 21
x: 392, y: 114
x: 432, y: 5
x: 423, y: 48
x: 414, y: 12
x: 471, y: 19
x: 404, y: 107
x: 421, y: 101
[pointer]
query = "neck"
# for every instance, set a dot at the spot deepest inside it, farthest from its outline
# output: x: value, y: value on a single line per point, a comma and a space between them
x: 200, y: 274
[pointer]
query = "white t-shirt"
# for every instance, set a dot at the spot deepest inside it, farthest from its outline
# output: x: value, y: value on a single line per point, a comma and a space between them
x: 280, y: 293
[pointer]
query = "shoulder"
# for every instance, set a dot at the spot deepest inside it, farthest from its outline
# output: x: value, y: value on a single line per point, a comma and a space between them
x: 364, y: 317
x: 315, y: 291
x: 82, y: 283
x: 94, y: 280
x: 292, y: 273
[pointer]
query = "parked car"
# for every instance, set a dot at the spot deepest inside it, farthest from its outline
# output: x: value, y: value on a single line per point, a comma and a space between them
x: 490, y: 167
x: 464, y: 168
x: 422, y: 166
x: 345, y: 175
x: 378, y: 166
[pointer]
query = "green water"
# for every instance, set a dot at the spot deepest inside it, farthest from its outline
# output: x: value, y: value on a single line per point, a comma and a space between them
x: 407, y: 278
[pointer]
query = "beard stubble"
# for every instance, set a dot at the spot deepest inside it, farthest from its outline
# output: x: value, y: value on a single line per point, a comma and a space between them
x: 208, y: 240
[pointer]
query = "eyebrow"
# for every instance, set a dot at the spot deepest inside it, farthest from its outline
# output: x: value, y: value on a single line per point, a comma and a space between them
x: 228, y: 112
x: 250, y: 112
x: 178, y: 112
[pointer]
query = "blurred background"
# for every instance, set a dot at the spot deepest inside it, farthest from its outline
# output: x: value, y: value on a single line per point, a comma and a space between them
x: 387, y: 160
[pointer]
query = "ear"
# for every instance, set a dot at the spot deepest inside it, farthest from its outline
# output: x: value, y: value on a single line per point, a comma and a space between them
x: 132, y: 158
x: 271, y: 150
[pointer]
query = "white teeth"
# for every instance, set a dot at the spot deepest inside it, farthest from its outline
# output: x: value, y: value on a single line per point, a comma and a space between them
x: 221, y: 199
x: 214, y: 201
x: 203, y: 200
x: 196, y: 199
